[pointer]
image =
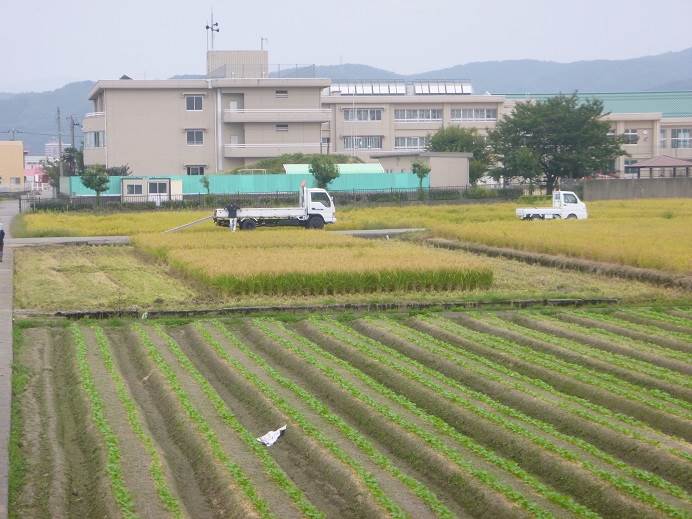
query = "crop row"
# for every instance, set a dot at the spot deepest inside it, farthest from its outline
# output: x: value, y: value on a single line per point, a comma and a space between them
x: 311, y: 353
x: 649, y: 329
x: 506, y: 417
x: 623, y: 361
x: 114, y: 467
x: 653, y: 398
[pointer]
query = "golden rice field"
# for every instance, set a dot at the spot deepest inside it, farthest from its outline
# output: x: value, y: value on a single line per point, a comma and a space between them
x: 289, y: 262
x: 641, y: 233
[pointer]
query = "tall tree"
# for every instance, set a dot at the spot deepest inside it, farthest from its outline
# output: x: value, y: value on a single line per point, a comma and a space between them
x: 96, y: 178
x: 468, y: 140
x: 559, y: 137
x: 73, y: 162
x: 324, y: 169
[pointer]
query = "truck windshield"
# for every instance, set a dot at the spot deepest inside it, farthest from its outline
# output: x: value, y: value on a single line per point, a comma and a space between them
x: 321, y: 197
x: 570, y: 198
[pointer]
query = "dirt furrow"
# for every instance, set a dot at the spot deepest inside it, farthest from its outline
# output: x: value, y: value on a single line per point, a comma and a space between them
x: 88, y: 488
x: 330, y: 485
x: 656, y: 418
x: 593, y: 340
x: 134, y: 458
x: 567, y: 476
x: 630, y: 374
x: 658, y: 323
x: 392, y: 487
x: 544, y: 406
x: 205, y: 489
x: 460, y: 492
x: 666, y: 342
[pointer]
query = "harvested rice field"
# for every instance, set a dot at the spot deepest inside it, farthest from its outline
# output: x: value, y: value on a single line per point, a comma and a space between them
x: 568, y: 413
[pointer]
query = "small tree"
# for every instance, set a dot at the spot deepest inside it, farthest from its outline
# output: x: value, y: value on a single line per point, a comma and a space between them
x: 95, y: 178
x: 73, y: 162
x: 324, y: 170
x: 421, y: 170
x: 205, y: 183
x: 52, y: 169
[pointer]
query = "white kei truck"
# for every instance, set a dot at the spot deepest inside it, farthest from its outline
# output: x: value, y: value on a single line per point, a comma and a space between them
x: 315, y: 209
x: 566, y: 206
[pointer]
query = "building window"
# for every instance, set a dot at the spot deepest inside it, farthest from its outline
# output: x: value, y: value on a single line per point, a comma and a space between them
x: 134, y: 189
x: 195, y: 137
x: 662, y: 138
x: 158, y: 188
x: 418, y: 114
x: 628, y: 169
x: 95, y: 139
x: 15, y: 180
x: 631, y: 136
x: 474, y: 114
x: 680, y: 138
x: 411, y: 143
x: 194, y: 170
x: 363, y: 114
x: 281, y: 93
x: 193, y: 103
x: 363, y: 142
x: 281, y: 127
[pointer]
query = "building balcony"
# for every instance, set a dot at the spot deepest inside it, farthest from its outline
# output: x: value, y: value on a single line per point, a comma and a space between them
x: 94, y: 122
x: 277, y: 115
x: 269, y: 150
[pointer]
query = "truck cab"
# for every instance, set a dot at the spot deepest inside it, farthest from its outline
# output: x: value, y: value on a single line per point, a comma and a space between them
x: 319, y: 203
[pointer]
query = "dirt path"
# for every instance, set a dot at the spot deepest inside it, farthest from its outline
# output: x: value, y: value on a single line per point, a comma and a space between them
x: 199, y: 481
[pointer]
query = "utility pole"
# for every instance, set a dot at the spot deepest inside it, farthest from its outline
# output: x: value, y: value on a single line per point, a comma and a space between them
x: 73, y: 124
x: 59, y: 143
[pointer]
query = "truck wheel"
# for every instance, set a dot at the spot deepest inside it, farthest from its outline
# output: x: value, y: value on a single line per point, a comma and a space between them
x: 315, y: 222
x: 572, y: 217
x: 248, y: 225
x: 528, y: 217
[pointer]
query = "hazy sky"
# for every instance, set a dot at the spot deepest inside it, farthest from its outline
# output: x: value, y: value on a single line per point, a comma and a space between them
x: 48, y: 43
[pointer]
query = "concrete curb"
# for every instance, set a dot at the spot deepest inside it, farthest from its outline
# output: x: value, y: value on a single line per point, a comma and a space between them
x: 8, y: 209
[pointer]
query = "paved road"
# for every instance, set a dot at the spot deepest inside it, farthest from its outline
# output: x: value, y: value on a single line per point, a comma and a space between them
x: 8, y: 209
x: 89, y: 240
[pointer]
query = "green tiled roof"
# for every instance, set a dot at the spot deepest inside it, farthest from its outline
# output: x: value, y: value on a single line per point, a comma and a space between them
x: 670, y: 104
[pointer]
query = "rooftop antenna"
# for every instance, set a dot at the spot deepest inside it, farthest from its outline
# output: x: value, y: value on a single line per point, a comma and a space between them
x: 263, y: 40
x: 211, y: 27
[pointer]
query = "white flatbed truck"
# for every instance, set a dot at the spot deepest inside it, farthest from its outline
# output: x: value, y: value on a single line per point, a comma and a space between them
x: 566, y: 206
x: 315, y: 209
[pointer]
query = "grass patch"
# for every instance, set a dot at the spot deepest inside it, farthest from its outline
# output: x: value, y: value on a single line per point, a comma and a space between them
x: 18, y: 463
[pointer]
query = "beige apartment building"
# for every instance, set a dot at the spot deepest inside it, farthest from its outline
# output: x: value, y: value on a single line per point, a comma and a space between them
x: 204, y: 126
x: 230, y: 120
x: 11, y: 166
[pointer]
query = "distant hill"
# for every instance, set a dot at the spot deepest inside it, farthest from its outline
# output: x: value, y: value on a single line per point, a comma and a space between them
x: 35, y: 112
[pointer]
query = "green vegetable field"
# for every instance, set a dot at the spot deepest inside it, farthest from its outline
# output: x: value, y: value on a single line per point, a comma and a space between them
x: 532, y: 413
